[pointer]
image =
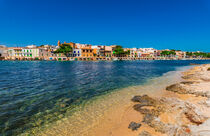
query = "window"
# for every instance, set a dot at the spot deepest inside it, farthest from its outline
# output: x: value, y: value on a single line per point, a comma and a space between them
x: 78, y: 51
x: 74, y: 51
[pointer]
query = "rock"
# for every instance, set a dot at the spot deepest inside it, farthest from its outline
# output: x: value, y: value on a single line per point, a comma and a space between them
x: 177, y: 88
x: 188, y: 82
x: 201, y: 130
x: 158, y: 125
x: 205, y: 77
x: 208, y: 69
x: 138, y: 107
x: 144, y: 133
x: 134, y: 126
x: 181, y: 131
x: 193, y: 115
x: 207, y: 103
x: 145, y: 100
x: 187, y: 88
x: 188, y: 76
x: 148, y: 118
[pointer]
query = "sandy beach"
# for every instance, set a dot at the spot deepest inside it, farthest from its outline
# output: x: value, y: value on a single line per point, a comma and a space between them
x: 181, y: 109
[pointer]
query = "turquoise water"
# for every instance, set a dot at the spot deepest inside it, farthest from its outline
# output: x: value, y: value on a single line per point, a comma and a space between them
x: 33, y: 93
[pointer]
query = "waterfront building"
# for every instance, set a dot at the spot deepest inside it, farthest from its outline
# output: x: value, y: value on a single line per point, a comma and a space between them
x: 27, y: 53
x: 102, y: 51
x: 108, y: 51
x: 14, y: 53
x: 149, y: 52
x: 96, y: 50
x: 87, y: 51
x: 76, y: 53
x: 3, y: 51
x: 60, y: 57
x: 138, y: 53
x: 133, y: 53
x: 180, y: 55
x: 46, y: 54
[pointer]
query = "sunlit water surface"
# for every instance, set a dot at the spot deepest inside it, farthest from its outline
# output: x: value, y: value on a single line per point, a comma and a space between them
x: 36, y: 94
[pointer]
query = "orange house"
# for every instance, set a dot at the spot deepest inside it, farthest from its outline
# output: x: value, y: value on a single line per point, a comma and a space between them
x: 87, y: 51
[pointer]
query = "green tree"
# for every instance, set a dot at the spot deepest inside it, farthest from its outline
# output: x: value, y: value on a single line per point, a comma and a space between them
x: 127, y: 52
x: 198, y: 54
x: 65, y: 49
x: 189, y: 53
x: 168, y: 53
x: 118, y: 50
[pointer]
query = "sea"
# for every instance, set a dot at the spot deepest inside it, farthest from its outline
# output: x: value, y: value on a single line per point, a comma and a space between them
x: 36, y: 94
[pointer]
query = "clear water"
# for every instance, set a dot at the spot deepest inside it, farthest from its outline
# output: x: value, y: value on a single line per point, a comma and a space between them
x: 36, y: 93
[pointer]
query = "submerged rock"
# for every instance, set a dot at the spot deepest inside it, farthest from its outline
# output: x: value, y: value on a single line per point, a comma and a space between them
x: 194, y: 64
x: 134, y: 126
x: 145, y: 100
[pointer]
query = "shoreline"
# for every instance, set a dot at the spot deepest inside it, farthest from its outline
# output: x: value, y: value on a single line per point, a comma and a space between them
x: 106, y: 114
x: 99, y: 59
x: 172, y: 113
x: 182, y: 109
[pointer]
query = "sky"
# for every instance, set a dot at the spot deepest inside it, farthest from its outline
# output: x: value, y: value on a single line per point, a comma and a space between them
x: 161, y: 24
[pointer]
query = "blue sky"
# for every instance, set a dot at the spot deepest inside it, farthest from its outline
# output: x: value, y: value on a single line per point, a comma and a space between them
x: 172, y: 24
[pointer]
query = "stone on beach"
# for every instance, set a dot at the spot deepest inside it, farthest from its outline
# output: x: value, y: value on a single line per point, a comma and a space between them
x: 134, y: 126
x: 145, y: 100
x: 189, y: 87
x: 194, y: 115
x: 184, y: 114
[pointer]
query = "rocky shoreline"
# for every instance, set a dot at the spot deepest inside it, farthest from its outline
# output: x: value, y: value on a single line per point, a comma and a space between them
x: 182, y: 110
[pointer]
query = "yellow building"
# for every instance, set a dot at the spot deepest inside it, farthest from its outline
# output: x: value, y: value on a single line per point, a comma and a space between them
x: 87, y: 51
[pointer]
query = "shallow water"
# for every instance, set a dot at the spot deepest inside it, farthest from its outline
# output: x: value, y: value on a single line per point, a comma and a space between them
x: 33, y: 94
